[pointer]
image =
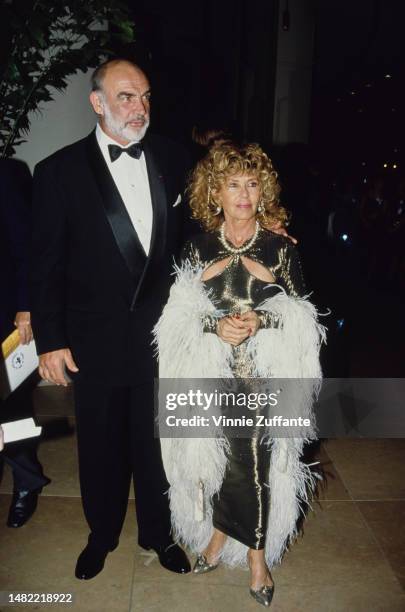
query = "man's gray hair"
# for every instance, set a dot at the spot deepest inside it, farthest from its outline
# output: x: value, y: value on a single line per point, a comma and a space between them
x: 98, y: 75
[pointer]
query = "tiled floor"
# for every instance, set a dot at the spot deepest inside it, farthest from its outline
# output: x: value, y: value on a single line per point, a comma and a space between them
x: 350, y: 558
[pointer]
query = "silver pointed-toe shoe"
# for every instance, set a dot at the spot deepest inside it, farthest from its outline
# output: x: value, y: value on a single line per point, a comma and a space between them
x: 202, y: 566
x: 264, y: 595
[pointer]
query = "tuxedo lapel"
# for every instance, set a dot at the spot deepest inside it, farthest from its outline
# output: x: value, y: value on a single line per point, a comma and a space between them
x: 120, y: 222
x: 159, y: 225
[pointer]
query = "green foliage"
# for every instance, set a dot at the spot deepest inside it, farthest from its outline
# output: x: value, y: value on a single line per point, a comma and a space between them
x: 50, y: 41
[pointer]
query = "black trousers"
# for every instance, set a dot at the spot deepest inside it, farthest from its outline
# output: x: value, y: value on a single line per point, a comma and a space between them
x: 21, y: 456
x: 115, y: 430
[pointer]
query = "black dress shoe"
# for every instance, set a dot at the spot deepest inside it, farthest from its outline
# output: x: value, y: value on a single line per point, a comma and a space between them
x: 23, y: 506
x: 171, y: 556
x: 90, y: 562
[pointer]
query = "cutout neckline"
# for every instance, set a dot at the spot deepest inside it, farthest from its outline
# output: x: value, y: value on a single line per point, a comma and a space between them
x: 269, y: 282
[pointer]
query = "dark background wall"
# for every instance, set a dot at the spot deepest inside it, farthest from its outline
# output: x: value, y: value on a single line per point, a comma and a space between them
x: 357, y: 112
x: 214, y: 63
x: 210, y: 62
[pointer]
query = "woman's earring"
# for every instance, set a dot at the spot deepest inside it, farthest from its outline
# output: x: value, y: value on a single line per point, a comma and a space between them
x: 260, y: 208
x: 209, y: 193
x: 217, y: 210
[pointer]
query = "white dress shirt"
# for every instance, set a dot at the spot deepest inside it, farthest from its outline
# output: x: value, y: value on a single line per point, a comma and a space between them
x: 131, y: 178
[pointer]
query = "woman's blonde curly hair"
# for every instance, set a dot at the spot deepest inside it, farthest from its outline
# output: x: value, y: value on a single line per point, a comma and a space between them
x: 226, y: 159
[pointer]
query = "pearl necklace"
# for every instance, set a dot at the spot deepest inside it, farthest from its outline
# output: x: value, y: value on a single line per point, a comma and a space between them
x: 241, y: 249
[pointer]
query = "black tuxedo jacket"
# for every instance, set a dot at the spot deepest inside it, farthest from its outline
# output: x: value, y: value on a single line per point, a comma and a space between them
x: 93, y: 288
x: 15, y: 213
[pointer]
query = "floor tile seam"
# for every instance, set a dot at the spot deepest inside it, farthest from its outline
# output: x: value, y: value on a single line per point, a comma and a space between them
x: 331, y: 500
x: 54, y: 416
x: 46, y: 495
x: 361, y: 499
x: 131, y: 595
x: 43, y: 494
x: 339, y: 474
x: 380, y: 548
x: 352, y: 498
x: 363, y: 520
x: 380, y: 499
x: 148, y: 581
x: 61, y: 496
x: 137, y: 551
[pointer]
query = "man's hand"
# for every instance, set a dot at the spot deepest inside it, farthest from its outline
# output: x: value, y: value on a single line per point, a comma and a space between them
x: 278, y: 228
x: 22, y: 322
x: 51, y: 366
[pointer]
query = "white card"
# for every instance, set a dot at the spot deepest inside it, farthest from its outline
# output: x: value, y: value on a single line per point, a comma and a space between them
x: 20, y: 430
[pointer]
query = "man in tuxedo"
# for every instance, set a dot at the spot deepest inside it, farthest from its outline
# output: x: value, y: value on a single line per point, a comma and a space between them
x: 106, y: 228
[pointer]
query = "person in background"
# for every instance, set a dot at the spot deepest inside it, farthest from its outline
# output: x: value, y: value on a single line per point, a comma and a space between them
x: 203, y: 137
x: 395, y: 230
x: 15, y: 200
x: 373, y: 214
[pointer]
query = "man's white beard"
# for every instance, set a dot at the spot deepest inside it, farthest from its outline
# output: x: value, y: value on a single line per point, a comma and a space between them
x: 122, y: 131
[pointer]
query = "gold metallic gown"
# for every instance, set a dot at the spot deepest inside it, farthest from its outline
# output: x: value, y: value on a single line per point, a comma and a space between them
x: 240, y: 510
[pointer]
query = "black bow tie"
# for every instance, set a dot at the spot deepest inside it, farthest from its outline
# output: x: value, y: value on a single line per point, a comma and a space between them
x: 135, y: 151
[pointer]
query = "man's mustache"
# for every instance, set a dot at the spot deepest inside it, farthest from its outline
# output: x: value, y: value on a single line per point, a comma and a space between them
x: 136, y: 118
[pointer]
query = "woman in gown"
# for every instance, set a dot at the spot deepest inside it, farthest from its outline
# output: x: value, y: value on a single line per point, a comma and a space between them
x: 237, y: 310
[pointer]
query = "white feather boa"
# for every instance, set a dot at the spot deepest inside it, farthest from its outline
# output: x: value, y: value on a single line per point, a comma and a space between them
x: 195, y: 467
